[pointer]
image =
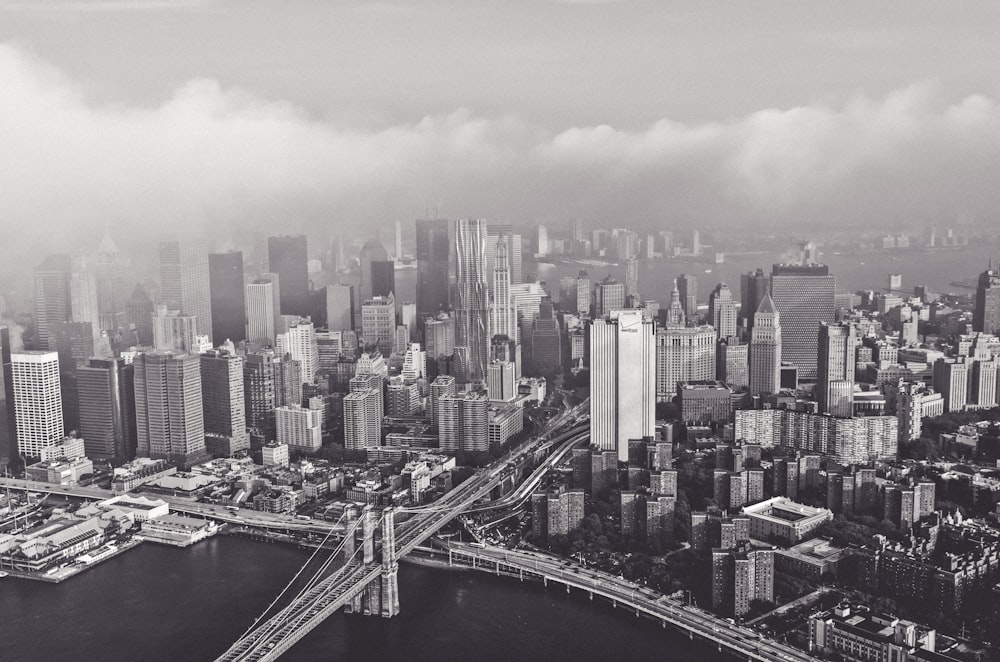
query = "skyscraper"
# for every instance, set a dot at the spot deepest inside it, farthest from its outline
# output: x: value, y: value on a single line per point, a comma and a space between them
x: 383, y: 278
x: 38, y: 414
x: 261, y: 312
x: 111, y: 295
x: 622, y: 380
x: 583, y: 294
x: 753, y: 286
x: 609, y: 295
x: 300, y: 428
x: 139, y: 317
x: 373, y: 251
x: 8, y: 426
x: 504, y: 315
x: 463, y: 422
x: 169, y: 419
x: 722, y: 311
x: 378, y: 323
x: 688, y: 288
x: 223, y: 404
x: 225, y: 277
x: 675, y: 310
x: 260, y: 393
x: 340, y: 307
x: 106, y: 388
x: 288, y: 256
x: 803, y: 294
x: 631, y: 277
x: 472, y: 308
x: 184, y: 284
x: 433, y: 251
x: 362, y: 416
x: 546, y: 346
x: 986, y: 316
x: 299, y: 340
x: 765, y: 349
x: 835, y: 372
x: 52, y: 296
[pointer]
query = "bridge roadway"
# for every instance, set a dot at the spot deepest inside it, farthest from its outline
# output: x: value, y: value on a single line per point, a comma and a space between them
x: 640, y: 599
x: 268, y: 640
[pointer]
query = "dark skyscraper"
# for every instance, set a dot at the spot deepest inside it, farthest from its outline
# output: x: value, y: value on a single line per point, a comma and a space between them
x: 803, y: 294
x: 753, y: 286
x: 139, y: 318
x: 53, y: 302
x: 106, y: 389
x: 688, y: 288
x: 74, y: 342
x: 835, y: 371
x: 433, y: 251
x: 225, y: 276
x: 383, y: 280
x: 986, y: 316
x: 8, y: 429
x: 287, y: 256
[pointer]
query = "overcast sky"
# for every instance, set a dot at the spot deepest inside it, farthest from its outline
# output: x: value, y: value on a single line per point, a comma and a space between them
x: 233, y: 115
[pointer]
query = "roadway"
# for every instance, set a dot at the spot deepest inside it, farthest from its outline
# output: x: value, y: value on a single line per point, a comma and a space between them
x: 641, y: 599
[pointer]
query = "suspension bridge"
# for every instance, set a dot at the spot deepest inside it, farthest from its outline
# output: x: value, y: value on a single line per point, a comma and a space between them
x: 356, y: 578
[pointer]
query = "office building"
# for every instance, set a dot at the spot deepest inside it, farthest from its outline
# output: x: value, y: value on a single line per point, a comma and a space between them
x: 139, y: 311
x: 175, y: 332
x: 951, y: 380
x: 583, y: 294
x: 38, y: 414
x: 622, y: 380
x: 223, y: 404
x: 287, y: 256
x: 855, y: 633
x: 225, y: 275
x: 732, y: 363
x: 766, y: 349
x: 463, y: 422
x: 433, y: 253
x: 835, y: 369
x: 340, y: 307
x: 106, y: 392
x: 683, y: 354
x: 8, y: 425
x: 986, y: 314
x: 704, y: 402
x: 501, y: 381
x: 263, y: 310
x: 803, y: 295
x: 472, y: 333
x: 687, y: 287
x: 260, y: 392
x: 753, y: 286
x: 609, y: 295
x: 546, y: 340
x: 184, y: 282
x: 169, y: 418
x: 378, y: 323
x: 109, y: 285
x: 52, y: 296
x: 722, y: 311
x: 299, y: 428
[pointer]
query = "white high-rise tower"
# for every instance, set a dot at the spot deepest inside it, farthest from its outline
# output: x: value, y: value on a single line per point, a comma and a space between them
x: 622, y: 380
x: 38, y: 414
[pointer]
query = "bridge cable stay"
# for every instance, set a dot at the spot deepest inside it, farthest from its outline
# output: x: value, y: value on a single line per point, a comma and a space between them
x: 294, y: 578
x: 274, y: 621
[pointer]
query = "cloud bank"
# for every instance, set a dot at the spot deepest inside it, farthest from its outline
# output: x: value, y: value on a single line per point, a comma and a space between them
x: 224, y: 161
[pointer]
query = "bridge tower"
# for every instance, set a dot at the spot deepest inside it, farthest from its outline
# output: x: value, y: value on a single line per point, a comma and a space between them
x: 390, y: 565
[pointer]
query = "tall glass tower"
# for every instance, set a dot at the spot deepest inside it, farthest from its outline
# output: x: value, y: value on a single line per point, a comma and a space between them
x: 472, y: 334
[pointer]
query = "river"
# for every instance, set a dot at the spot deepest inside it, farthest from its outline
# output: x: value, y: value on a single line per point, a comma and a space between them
x: 164, y: 604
